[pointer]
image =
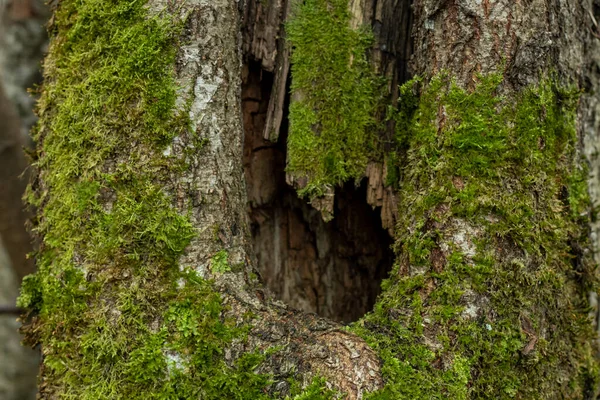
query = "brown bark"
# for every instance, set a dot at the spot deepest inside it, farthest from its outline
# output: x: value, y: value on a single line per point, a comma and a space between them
x: 528, y: 38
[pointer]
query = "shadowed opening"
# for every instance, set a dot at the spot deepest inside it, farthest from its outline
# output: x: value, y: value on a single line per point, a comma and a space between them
x: 333, y: 269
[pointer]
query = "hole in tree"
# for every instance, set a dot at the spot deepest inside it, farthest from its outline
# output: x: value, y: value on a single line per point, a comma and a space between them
x: 333, y: 269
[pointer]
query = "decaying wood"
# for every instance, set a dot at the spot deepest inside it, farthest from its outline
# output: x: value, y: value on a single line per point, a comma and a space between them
x: 264, y: 40
x: 381, y: 195
x: 390, y: 21
x: 331, y: 268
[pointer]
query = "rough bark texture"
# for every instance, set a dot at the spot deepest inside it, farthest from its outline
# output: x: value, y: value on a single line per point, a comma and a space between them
x: 147, y: 272
x: 163, y: 229
x: 528, y: 38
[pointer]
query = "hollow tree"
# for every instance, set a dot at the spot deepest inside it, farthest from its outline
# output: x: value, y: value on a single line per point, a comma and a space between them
x: 190, y: 151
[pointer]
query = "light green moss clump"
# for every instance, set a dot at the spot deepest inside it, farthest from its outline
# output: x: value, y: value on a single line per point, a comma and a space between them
x: 335, y: 97
x: 509, y: 167
x: 219, y: 262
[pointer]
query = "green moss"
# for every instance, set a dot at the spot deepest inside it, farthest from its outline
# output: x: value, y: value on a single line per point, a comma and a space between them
x: 317, y: 390
x: 335, y: 97
x: 507, y: 166
x: 219, y: 262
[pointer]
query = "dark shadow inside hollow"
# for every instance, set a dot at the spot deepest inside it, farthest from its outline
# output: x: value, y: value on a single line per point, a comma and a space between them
x: 334, y: 269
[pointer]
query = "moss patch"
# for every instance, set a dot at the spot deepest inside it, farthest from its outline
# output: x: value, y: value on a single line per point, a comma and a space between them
x: 219, y: 262
x: 505, y: 172
x: 335, y: 97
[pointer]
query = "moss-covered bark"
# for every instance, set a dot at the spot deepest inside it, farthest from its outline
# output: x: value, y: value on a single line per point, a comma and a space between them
x: 146, y: 287
x: 116, y: 315
x: 489, y: 295
x: 332, y: 126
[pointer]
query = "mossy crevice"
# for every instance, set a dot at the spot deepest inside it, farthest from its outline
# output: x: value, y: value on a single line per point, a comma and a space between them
x: 336, y: 98
x: 488, y: 297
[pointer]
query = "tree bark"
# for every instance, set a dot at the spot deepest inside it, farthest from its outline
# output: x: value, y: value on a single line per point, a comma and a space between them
x: 148, y: 284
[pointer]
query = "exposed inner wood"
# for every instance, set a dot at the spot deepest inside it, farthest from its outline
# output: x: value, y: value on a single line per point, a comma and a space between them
x: 334, y: 269
x: 264, y: 40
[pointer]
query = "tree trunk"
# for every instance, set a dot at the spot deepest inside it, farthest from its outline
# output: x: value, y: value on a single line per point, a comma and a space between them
x: 156, y: 120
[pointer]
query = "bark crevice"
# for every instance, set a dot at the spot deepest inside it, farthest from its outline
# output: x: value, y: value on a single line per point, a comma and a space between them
x: 330, y: 268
